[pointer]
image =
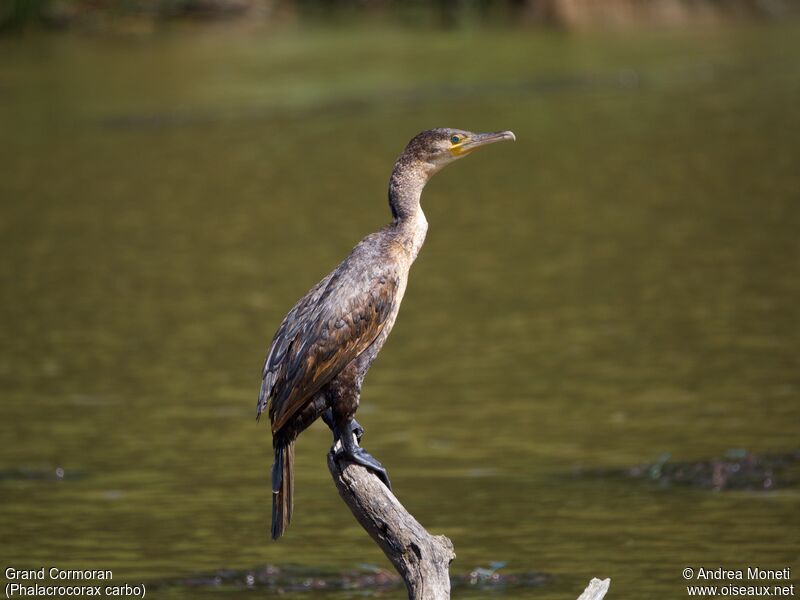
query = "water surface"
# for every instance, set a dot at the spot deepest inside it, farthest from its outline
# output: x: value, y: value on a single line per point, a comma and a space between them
x: 621, y: 282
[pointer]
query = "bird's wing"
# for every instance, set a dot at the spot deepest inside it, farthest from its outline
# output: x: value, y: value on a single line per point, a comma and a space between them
x: 329, y: 327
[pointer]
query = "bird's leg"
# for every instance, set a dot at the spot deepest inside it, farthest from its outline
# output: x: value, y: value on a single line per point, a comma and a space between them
x: 356, y: 429
x: 344, y: 393
x: 351, y: 451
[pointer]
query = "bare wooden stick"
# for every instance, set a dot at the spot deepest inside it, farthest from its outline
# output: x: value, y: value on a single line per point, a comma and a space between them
x: 422, y: 560
x: 595, y: 590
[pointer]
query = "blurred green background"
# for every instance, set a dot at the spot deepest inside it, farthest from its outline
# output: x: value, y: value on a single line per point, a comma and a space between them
x: 621, y: 282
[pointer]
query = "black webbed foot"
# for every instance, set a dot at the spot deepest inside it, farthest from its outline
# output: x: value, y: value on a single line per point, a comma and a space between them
x: 365, y: 459
x: 350, y: 450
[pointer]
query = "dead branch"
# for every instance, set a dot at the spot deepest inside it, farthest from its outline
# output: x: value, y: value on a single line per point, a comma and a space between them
x: 423, y: 560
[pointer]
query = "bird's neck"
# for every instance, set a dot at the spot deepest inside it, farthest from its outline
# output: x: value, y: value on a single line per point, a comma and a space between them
x: 405, y: 189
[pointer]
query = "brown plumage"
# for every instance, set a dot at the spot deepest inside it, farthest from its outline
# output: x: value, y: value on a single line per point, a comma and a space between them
x: 325, y: 345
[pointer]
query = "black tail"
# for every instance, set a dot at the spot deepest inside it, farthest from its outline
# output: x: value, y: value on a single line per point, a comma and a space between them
x: 282, y: 487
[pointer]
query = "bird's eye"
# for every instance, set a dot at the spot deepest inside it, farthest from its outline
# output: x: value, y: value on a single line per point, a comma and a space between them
x: 455, y: 139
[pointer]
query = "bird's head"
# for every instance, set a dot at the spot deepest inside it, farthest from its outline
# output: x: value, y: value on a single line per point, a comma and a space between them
x: 426, y: 154
x: 436, y: 148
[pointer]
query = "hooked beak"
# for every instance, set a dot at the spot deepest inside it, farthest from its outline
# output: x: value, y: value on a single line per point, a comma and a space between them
x: 482, y: 139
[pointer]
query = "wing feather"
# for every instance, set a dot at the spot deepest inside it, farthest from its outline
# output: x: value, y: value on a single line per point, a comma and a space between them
x: 330, y: 326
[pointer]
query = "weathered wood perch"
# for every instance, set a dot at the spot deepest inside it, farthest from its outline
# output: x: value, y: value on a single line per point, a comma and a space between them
x: 595, y: 590
x: 421, y: 559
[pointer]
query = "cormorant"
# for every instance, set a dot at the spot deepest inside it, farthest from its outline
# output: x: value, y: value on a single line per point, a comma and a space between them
x: 325, y: 345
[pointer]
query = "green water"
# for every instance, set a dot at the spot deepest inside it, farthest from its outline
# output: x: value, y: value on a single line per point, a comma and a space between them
x: 620, y: 283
